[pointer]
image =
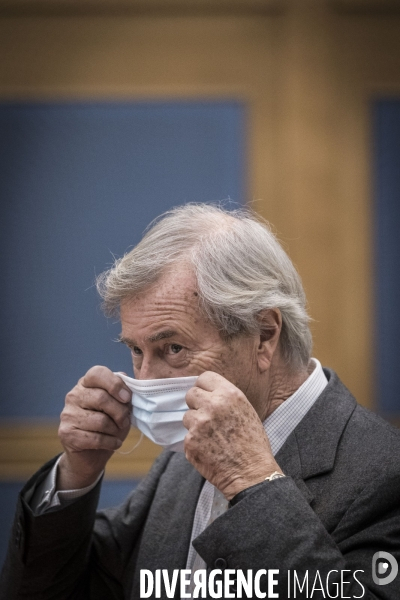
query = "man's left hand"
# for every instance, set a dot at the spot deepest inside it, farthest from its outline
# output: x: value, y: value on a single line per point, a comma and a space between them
x: 226, y: 441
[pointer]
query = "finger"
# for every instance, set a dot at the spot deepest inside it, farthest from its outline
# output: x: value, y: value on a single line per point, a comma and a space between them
x: 80, y: 440
x: 101, y: 377
x: 196, y: 397
x: 189, y: 419
x: 209, y: 381
x: 89, y: 420
x: 95, y: 399
x: 198, y: 420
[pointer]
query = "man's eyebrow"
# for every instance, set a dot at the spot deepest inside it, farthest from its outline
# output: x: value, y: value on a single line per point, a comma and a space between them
x: 161, y: 335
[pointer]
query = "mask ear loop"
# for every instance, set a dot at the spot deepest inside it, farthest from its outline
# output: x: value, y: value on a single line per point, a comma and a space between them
x: 134, y: 447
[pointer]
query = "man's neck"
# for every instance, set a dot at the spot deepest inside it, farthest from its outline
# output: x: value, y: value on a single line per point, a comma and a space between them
x: 283, y: 384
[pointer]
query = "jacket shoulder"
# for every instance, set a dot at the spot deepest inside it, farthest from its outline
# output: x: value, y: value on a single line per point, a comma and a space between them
x: 374, y: 439
x: 365, y: 434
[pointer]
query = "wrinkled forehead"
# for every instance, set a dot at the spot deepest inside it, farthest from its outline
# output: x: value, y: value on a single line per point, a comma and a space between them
x: 176, y: 282
x: 171, y: 301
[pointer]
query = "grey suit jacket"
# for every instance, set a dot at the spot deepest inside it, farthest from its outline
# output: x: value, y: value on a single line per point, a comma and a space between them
x: 337, y: 507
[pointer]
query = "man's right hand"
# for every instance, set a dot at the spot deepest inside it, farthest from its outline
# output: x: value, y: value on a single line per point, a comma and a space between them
x: 95, y: 421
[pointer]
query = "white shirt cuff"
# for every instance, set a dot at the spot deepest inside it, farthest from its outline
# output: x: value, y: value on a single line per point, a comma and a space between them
x: 46, y: 497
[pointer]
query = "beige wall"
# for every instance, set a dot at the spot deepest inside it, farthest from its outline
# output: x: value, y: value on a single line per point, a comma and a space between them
x: 308, y: 70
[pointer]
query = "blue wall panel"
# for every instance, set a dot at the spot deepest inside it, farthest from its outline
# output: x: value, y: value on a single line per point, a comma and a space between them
x: 387, y: 245
x: 78, y: 183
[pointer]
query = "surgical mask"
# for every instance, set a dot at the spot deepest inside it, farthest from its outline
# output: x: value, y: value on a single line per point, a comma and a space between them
x: 158, y: 408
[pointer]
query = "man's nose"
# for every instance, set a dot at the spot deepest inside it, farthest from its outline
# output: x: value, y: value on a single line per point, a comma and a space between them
x: 151, y: 369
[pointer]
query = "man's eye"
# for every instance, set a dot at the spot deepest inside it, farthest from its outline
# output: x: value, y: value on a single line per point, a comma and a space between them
x: 136, y: 350
x: 175, y: 348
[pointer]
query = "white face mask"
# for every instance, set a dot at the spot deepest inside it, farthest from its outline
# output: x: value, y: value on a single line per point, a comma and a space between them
x: 158, y: 408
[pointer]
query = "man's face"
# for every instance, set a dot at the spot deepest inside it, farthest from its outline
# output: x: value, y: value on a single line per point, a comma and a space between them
x: 169, y: 337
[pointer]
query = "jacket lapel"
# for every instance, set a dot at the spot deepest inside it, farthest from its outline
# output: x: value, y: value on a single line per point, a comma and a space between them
x: 167, y: 533
x: 311, y: 448
x: 178, y: 530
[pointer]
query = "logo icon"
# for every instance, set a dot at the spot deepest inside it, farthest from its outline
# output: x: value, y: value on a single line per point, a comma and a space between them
x: 381, y: 573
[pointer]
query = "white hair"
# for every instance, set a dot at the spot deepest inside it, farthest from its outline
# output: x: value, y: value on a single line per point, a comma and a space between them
x: 240, y: 268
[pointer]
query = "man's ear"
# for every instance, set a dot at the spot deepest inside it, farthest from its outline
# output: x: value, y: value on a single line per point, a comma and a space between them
x: 270, y: 330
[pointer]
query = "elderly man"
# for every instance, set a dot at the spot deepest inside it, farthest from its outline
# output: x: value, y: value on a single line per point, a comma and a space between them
x: 285, y: 483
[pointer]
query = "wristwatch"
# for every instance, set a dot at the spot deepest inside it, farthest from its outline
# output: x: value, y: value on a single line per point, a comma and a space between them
x: 275, y: 475
x: 253, y: 488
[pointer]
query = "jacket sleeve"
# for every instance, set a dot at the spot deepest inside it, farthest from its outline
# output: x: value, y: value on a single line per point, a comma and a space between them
x: 275, y: 528
x: 74, y: 552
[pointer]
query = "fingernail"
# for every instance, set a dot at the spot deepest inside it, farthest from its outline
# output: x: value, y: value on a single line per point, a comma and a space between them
x: 124, y: 395
x: 119, y: 443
